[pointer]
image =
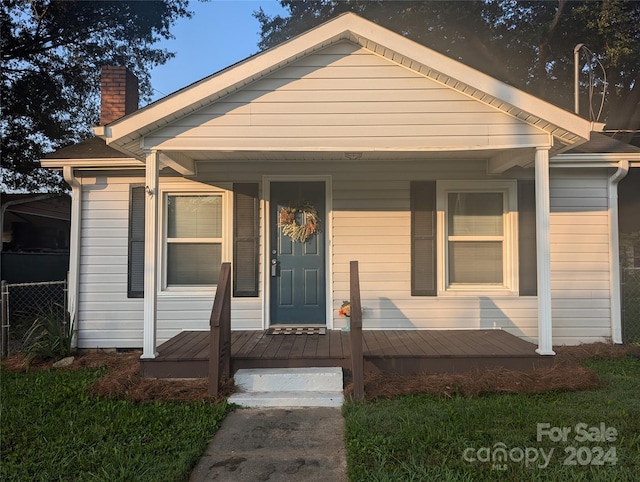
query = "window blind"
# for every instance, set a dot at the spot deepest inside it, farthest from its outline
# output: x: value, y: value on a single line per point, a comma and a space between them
x: 245, y: 240
x: 194, y: 244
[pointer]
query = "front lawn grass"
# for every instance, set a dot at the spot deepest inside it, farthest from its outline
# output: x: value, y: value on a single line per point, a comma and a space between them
x: 53, y: 429
x: 423, y: 437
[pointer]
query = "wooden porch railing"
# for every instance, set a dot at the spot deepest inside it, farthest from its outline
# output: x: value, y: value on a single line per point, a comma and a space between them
x: 220, y: 337
x: 357, y: 356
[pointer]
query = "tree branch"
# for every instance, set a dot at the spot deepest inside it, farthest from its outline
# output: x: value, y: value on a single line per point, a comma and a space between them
x: 543, y: 46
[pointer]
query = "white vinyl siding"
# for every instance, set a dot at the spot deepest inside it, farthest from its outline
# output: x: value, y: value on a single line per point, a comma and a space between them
x: 106, y: 317
x: 346, y: 97
x: 580, y: 256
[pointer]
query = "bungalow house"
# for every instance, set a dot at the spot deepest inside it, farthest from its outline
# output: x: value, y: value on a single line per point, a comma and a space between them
x: 466, y: 202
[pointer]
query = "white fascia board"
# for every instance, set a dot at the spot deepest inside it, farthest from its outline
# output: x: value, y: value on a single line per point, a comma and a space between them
x: 349, y: 26
x: 207, y: 145
x: 91, y: 163
x: 610, y: 159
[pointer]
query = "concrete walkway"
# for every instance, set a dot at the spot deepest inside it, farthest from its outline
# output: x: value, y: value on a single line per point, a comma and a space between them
x: 257, y: 444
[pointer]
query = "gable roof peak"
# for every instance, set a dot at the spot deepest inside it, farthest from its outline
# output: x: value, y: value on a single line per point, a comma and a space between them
x: 566, y: 126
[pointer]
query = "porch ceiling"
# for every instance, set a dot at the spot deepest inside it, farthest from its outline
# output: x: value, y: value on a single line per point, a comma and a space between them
x: 498, y: 160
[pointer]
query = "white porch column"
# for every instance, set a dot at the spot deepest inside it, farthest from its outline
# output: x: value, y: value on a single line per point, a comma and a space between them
x: 543, y: 251
x: 150, y: 256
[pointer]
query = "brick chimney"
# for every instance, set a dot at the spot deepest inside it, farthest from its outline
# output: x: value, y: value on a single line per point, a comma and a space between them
x: 119, y: 93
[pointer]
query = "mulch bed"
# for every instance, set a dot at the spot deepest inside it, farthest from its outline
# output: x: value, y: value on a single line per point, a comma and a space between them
x: 123, y: 378
x: 475, y: 383
x: 566, y: 374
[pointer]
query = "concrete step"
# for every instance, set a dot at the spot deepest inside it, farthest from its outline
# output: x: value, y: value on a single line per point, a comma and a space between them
x: 289, y: 387
x: 287, y: 399
x: 289, y: 379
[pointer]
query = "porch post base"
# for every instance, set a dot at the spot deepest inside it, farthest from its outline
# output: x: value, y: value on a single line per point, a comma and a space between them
x: 545, y: 351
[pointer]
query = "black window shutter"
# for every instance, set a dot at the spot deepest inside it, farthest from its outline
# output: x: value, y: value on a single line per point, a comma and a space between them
x: 245, y: 239
x: 423, y: 238
x: 528, y: 274
x: 135, y: 269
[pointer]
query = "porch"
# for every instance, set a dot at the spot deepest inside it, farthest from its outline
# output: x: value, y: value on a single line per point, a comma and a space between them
x: 392, y: 351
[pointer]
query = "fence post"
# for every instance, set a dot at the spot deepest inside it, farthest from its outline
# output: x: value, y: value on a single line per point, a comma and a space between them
x: 5, y: 320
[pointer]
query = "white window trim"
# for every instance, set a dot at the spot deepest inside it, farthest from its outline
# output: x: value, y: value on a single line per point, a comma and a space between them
x: 510, y: 265
x: 227, y: 220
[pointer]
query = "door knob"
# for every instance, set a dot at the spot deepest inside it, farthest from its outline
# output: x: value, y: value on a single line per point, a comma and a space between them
x: 274, y: 267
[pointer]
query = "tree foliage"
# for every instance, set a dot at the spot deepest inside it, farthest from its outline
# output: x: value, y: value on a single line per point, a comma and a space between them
x: 528, y: 44
x: 52, y: 53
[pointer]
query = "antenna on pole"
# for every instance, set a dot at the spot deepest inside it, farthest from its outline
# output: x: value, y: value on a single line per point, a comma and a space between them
x: 593, y: 60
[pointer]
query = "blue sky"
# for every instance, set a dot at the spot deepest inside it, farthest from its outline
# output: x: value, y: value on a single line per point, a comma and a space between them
x: 220, y: 33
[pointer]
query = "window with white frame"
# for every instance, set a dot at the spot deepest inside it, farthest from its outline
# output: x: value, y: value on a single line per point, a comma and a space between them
x: 478, y: 236
x: 194, y: 227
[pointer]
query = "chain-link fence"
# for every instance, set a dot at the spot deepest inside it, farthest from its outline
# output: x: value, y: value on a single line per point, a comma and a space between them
x: 22, y: 303
x: 631, y: 305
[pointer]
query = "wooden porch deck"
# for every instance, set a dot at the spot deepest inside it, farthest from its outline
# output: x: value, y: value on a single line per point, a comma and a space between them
x: 402, y: 352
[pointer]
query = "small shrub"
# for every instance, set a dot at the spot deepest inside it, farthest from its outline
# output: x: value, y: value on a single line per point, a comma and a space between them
x: 50, y: 335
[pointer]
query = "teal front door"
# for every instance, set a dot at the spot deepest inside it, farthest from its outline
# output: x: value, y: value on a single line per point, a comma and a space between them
x: 297, y: 267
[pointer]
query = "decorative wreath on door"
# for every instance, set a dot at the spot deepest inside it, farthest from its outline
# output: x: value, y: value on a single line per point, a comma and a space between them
x: 288, y: 221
